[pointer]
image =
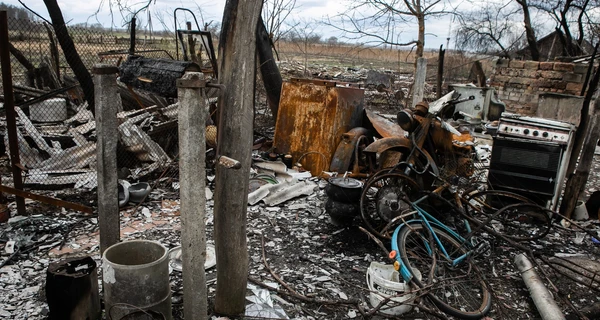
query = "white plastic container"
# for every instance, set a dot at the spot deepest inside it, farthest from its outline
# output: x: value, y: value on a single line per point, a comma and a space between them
x: 384, y: 279
x: 51, y: 110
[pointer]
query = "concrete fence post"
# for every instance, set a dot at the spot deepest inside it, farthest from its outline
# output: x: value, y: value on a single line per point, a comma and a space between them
x: 419, y: 82
x: 106, y: 89
x: 192, y: 180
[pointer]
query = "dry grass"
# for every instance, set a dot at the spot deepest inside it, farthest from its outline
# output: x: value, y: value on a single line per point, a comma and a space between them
x: 457, y: 66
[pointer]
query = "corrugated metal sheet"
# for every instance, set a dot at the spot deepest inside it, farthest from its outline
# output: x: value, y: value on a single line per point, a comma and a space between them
x: 312, y: 117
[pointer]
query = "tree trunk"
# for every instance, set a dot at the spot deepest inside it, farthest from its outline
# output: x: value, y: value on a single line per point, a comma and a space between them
x: 68, y: 47
x: 237, y: 54
x: 421, y: 43
x: 268, y: 68
x: 30, y: 74
x: 530, y: 33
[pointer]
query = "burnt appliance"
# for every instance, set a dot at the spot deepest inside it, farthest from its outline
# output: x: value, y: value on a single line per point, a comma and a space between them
x: 530, y: 157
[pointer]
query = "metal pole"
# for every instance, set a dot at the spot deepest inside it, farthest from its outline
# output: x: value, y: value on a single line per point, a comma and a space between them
x: 192, y: 149
x: 105, y: 86
x: 9, y: 106
x: 542, y: 298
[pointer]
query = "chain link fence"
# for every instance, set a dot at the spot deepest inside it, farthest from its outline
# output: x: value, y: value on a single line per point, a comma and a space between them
x: 55, y: 127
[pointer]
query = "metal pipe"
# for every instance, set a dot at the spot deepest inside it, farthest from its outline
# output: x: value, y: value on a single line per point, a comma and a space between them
x: 9, y: 107
x: 542, y: 298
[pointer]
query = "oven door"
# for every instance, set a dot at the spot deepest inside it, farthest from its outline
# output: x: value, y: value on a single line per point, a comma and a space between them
x: 525, y: 165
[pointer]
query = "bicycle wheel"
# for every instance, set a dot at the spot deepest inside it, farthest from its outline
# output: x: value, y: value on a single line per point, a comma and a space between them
x: 519, y: 220
x: 456, y: 290
x: 523, y: 221
x: 382, y: 201
x: 489, y: 202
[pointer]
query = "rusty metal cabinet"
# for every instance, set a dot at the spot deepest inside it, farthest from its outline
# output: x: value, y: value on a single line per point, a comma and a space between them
x: 312, y: 117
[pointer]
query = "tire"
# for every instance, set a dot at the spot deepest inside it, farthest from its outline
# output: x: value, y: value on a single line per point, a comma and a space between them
x: 463, y: 293
x: 509, y: 214
x: 381, y: 201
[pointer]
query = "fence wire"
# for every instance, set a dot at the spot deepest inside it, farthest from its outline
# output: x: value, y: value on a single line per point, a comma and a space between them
x: 55, y: 126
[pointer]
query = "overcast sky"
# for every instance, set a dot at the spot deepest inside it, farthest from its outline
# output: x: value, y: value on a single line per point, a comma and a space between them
x: 80, y: 11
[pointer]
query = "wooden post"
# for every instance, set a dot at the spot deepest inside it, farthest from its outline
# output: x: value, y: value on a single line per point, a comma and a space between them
x: 440, y: 73
x: 584, y: 122
x: 192, y: 116
x: 105, y: 86
x: 577, y: 181
x: 237, y: 54
x: 419, y: 83
x: 9, y: 106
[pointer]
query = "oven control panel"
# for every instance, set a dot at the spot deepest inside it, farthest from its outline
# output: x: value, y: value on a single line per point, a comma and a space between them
x: 533, y: 132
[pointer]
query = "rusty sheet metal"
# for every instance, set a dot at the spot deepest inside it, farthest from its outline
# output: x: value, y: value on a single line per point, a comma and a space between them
x: 345, y: 150
x: 383, y: 126
x: 381, y: 145
x: 312, y: 118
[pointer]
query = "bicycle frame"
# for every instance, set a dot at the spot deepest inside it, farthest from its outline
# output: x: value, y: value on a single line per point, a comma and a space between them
x: 426, y: 219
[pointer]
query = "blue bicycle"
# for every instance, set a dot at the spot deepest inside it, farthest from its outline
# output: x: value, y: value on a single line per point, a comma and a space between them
x: 443, y: 260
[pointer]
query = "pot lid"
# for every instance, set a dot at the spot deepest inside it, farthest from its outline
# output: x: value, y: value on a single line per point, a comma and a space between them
x: 342, y: 182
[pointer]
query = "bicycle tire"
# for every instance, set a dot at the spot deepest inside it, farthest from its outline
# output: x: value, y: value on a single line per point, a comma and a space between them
x: 509, y: 214
x: 470, y: 303
x: 381, y: 201
x: 524, y: 221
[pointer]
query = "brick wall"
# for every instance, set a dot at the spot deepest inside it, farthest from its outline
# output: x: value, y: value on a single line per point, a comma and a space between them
x: 519, y: 82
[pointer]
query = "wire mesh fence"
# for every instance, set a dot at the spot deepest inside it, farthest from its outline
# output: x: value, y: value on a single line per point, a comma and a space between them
x: 56, y: 134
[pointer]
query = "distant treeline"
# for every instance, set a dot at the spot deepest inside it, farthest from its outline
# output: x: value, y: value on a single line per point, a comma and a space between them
x: 16, y: 12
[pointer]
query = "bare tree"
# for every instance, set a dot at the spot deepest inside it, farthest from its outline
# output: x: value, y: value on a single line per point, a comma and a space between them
x: 303, y: 36
x: 274, y: 15
x: 529, y: 31
x: 490, y: 28
x: 73, y: 59
x: 381, y: 21
x: 572, y: 17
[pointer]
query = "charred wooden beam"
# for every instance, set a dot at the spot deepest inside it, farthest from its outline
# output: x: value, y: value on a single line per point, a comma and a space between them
x: 155, y: 75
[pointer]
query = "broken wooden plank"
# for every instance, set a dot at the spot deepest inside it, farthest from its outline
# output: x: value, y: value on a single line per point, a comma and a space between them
x: 137, y: 141
x: 34, y: 133
x: 74, y: 157
x: 48, y: 200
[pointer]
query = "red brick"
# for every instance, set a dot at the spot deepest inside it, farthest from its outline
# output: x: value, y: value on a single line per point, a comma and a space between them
x: 517, y: 64
x: 564, y: 66
x: 533, y: 65
x: 574, y: 88
x: 546, y: 65
x: 552, y: 75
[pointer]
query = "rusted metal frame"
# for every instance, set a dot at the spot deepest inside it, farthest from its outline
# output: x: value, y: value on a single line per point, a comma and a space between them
x: 121, y: 52
x: 9, y: 107
x: 46, y: 199
x: 175, y: 22
x: 46, y: 96
x: 207, y: 44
